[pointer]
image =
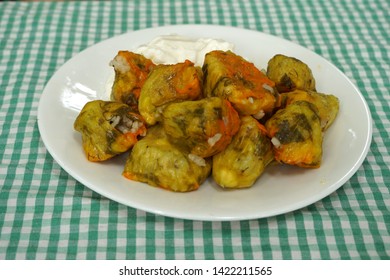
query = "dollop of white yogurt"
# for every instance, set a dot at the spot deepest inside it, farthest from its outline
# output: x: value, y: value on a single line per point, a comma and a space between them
x: 172, y: 49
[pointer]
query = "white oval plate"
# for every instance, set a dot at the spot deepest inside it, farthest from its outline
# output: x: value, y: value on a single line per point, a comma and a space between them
x: 279, y: 190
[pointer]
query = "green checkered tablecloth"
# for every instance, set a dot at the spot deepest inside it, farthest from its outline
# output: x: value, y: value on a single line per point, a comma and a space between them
x: 47, y: 214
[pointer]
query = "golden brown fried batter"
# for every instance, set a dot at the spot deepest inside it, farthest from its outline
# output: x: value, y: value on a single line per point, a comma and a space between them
x: 108, y: 129
x: 167, y: 84
x: 296, y: 134
x: 327, y: 104
x: 156, y: 161
x: 131, y: 71
x: 205, y: 126
x: 290, y: 73
x: 230, y: 76
x: 245, y: 158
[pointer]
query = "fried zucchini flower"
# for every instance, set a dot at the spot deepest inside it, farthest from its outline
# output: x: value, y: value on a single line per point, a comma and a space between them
x: 156, y: 161
x: 296, y: 135
x: 205, y: 126
x: 290, y: 73
x: 230, y: 76
x: 108, y: 128
x: 327, y: 104
x: 131, y: 71
x: 166, y: 84
x: 245, y: 158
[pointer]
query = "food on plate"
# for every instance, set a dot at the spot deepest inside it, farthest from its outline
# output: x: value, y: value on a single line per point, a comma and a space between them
x: 245, y: 158
x: 296, y: 135
x: 156, y: 161
x: 289, y: 73
x: 327, y: 104
x: 131, y: 71
x: 167, y: 84
x: 205, y: 126
x: 181, y: 120
x: 108, y: 128
x: 230, y: 76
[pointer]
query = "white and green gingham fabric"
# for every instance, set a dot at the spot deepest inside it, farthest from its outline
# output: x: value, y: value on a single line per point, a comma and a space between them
x: 47, y: 214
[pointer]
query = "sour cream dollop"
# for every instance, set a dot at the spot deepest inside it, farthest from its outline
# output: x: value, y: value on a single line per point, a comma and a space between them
x: 172, y: 49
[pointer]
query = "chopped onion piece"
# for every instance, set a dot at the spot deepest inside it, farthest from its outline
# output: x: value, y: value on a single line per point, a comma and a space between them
x: 259, y: 115
x: 275, y: 141
x: 214, y: 139
x: 114, y: 121
x: 268, y: 87
x: 135, y: 127
x: 197, y: 160
x: 120, y: 64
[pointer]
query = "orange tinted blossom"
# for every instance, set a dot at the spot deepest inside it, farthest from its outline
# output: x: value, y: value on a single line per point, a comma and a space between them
x: 156, y: 161
x: 167, y: 84
x: 204, y: 126
x: 232, y: 77
x: 227, y: 127
x: 296, y: 134
x: 244, y: 71
x: 103, y: 126
x: 261, y: 127
x: 233, y: 120
x: 130, y: 176
x: 139, y: 64
x: 302, y: 157
x: 131, y: 76
x: 186, y: 81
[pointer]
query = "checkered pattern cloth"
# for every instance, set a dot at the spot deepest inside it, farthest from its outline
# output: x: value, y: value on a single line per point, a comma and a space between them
x: 47, y: 214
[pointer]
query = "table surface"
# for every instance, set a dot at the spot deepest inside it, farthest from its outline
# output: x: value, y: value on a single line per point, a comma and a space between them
x: 47, y: 214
